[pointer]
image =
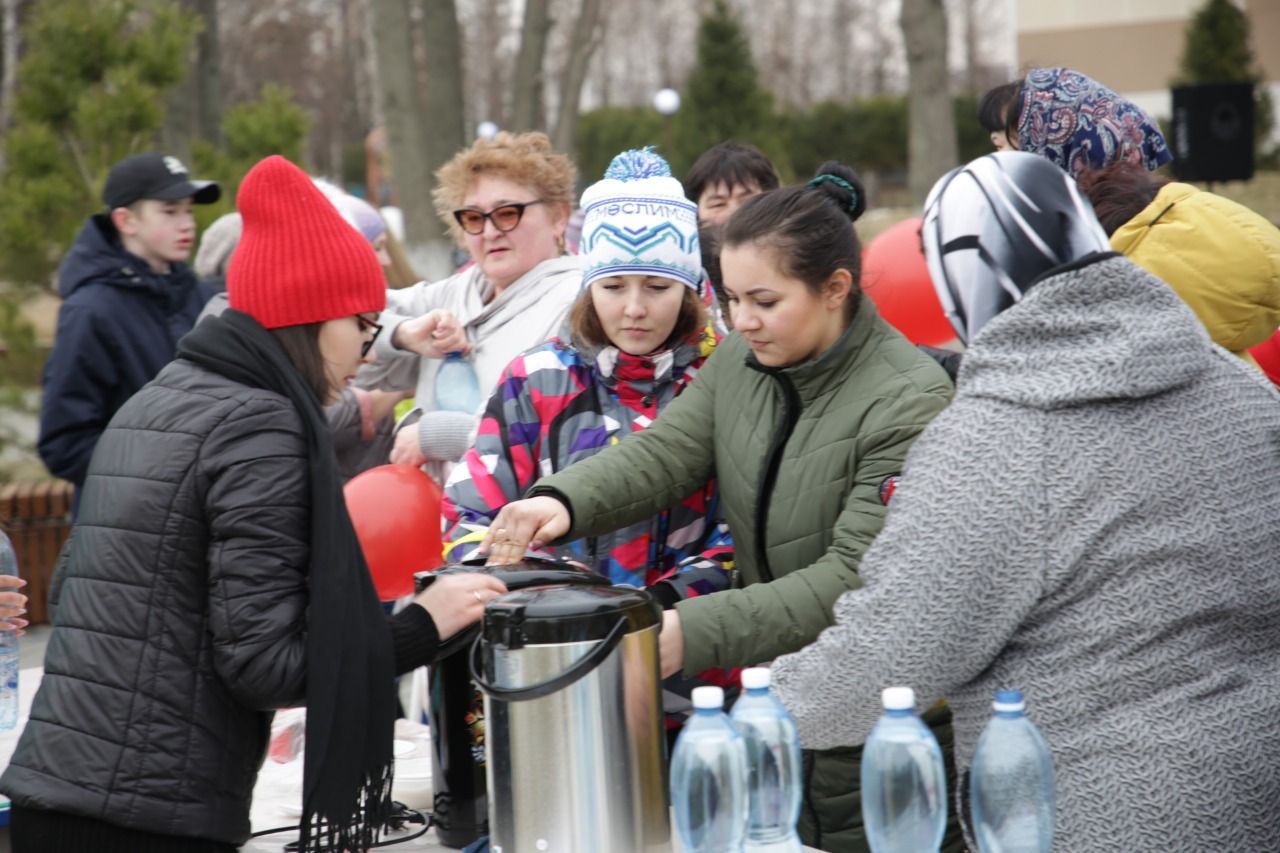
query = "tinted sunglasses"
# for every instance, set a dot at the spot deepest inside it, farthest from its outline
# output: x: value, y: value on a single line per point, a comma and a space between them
x: 505, y: 217
x: 365, y: 325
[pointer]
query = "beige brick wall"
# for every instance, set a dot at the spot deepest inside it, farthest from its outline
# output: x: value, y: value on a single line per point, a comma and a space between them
x: 1110, y: 54
x: 1130, y: 45
x: 1040, y: 16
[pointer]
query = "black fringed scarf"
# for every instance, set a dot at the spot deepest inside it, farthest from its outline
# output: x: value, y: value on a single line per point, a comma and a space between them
x: 351, y: 705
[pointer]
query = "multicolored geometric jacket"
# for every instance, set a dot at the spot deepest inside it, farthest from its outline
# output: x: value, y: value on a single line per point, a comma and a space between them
x: 560, y: 403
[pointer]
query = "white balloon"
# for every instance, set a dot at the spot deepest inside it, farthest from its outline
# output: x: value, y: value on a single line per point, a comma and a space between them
x: 666, y: 101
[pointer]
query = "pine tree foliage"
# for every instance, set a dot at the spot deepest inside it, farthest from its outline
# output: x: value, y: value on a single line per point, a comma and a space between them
x: 90, y: 91
x: 722, y: 98
x: 251, y: 130
x: 1216, y: 50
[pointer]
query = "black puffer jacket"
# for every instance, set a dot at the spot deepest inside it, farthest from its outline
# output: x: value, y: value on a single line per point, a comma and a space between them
x: 181, y: 614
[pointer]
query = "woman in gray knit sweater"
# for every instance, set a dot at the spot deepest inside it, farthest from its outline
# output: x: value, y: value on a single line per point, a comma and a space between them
x: 1092, y: 521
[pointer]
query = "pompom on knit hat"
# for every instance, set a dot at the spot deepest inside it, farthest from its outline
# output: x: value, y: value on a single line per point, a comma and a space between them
x: 298, y: 260
x: 637, y: 221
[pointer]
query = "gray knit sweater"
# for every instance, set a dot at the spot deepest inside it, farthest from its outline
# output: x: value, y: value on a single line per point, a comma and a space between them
x: 1093, y: 520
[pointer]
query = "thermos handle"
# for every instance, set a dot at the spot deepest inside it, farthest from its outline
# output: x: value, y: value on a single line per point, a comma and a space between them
x: 577, y: 670
x: 456, y: 643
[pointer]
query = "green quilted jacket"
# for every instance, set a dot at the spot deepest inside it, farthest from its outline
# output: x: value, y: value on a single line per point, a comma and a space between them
x: 800, y: 455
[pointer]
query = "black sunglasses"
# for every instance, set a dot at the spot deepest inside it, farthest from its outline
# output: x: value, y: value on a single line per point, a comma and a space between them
x: 505, y: 217
x: 365, y: 325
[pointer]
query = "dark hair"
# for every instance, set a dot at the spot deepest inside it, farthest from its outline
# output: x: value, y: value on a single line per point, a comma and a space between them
x: 302, y: 346
x: 809, y: 228
x: 1119, y: 192
x: 730, y: 163
x: 584, y: 322
x: 709, y: 240
x: 1001, y: 107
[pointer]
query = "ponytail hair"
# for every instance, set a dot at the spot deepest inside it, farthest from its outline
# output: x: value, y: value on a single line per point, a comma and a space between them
x: 808, y: 228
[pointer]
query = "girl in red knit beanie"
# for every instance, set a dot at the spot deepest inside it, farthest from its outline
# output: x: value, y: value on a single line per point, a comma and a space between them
x: 213, y: 574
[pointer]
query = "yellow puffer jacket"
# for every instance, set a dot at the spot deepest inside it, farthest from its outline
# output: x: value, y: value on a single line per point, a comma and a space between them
x: 1219, y: 256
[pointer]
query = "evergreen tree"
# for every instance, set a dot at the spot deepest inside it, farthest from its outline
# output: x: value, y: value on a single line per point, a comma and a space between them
x: 603, y: 132
x: 251, y: 130
x: 90, y: 91
x: 722, y: 99
x: 1216, y: 50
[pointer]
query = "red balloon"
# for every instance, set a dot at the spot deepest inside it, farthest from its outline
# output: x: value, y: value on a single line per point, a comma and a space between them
x: 1267, y: 354
x: 396, y: 513
x: 895, y: 276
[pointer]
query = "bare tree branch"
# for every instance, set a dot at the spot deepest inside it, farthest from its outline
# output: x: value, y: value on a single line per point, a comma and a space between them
x: 442, y: 46
x: 588, y: 32
x: 526, y: 103
x: 10, y: 39
x: 208, y: 75
x: 931, y: 143
x: 77, y: 157
x: 408, y: 134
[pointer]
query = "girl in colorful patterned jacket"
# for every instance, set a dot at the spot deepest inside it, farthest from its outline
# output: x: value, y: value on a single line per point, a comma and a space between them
x: 636, y: 337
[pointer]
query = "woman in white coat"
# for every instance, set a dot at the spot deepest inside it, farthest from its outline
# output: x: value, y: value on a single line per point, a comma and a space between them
x: 507, y: 201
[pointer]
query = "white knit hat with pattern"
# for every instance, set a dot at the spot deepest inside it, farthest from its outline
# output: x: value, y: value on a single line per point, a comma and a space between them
x: 638, y: 221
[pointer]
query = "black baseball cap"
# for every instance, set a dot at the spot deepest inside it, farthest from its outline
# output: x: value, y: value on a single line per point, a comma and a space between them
x: 158, y: 176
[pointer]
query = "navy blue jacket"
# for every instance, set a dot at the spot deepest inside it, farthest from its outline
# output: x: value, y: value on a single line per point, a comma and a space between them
x: 119, y: 324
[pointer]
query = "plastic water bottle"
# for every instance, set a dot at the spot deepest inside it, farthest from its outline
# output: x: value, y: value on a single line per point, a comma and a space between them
x: 904, y: 796
x: 8, y: 677
x: 773, y: 766
x: 456, y: 387
x: 1011, y: 782
x: 709, y: 779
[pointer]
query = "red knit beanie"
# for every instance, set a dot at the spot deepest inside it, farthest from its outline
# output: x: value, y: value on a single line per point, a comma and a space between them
x: 298, y: 261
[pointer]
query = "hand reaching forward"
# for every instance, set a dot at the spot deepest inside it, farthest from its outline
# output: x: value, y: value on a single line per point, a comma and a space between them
x: 13, y: 605
x: 456, y: 601
x: 407, y: 450
x: 523, y: 524
x: 434, y: 335
x: 671, y: 644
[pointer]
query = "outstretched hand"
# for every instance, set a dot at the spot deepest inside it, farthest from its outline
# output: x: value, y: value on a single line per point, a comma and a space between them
x: 407, y: 449
x: 522, y: 525
x: 456, y: 601
x: 13, y: 605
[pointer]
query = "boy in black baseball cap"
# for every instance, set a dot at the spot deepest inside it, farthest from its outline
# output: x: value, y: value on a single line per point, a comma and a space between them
x: 128, y: 295
x: 157, y: 176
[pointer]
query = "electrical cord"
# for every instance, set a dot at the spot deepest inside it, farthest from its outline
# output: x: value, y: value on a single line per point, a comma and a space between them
x: 401, y: 817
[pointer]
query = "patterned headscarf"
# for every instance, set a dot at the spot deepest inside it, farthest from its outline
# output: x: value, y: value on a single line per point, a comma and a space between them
x: 1078, y: 123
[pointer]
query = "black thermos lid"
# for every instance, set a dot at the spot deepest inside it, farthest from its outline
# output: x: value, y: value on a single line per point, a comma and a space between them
x: 566, y: 614
x: 517, y: 575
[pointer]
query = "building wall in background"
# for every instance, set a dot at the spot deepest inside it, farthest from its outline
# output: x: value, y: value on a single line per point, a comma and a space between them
x: 1133, y: 46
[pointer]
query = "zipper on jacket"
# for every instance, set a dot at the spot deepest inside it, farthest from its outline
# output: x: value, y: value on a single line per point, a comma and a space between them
x: 810, y: 764
x: 790, y: 416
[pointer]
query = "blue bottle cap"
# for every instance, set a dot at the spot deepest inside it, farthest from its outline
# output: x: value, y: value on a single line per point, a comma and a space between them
x: 1008, y: 701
